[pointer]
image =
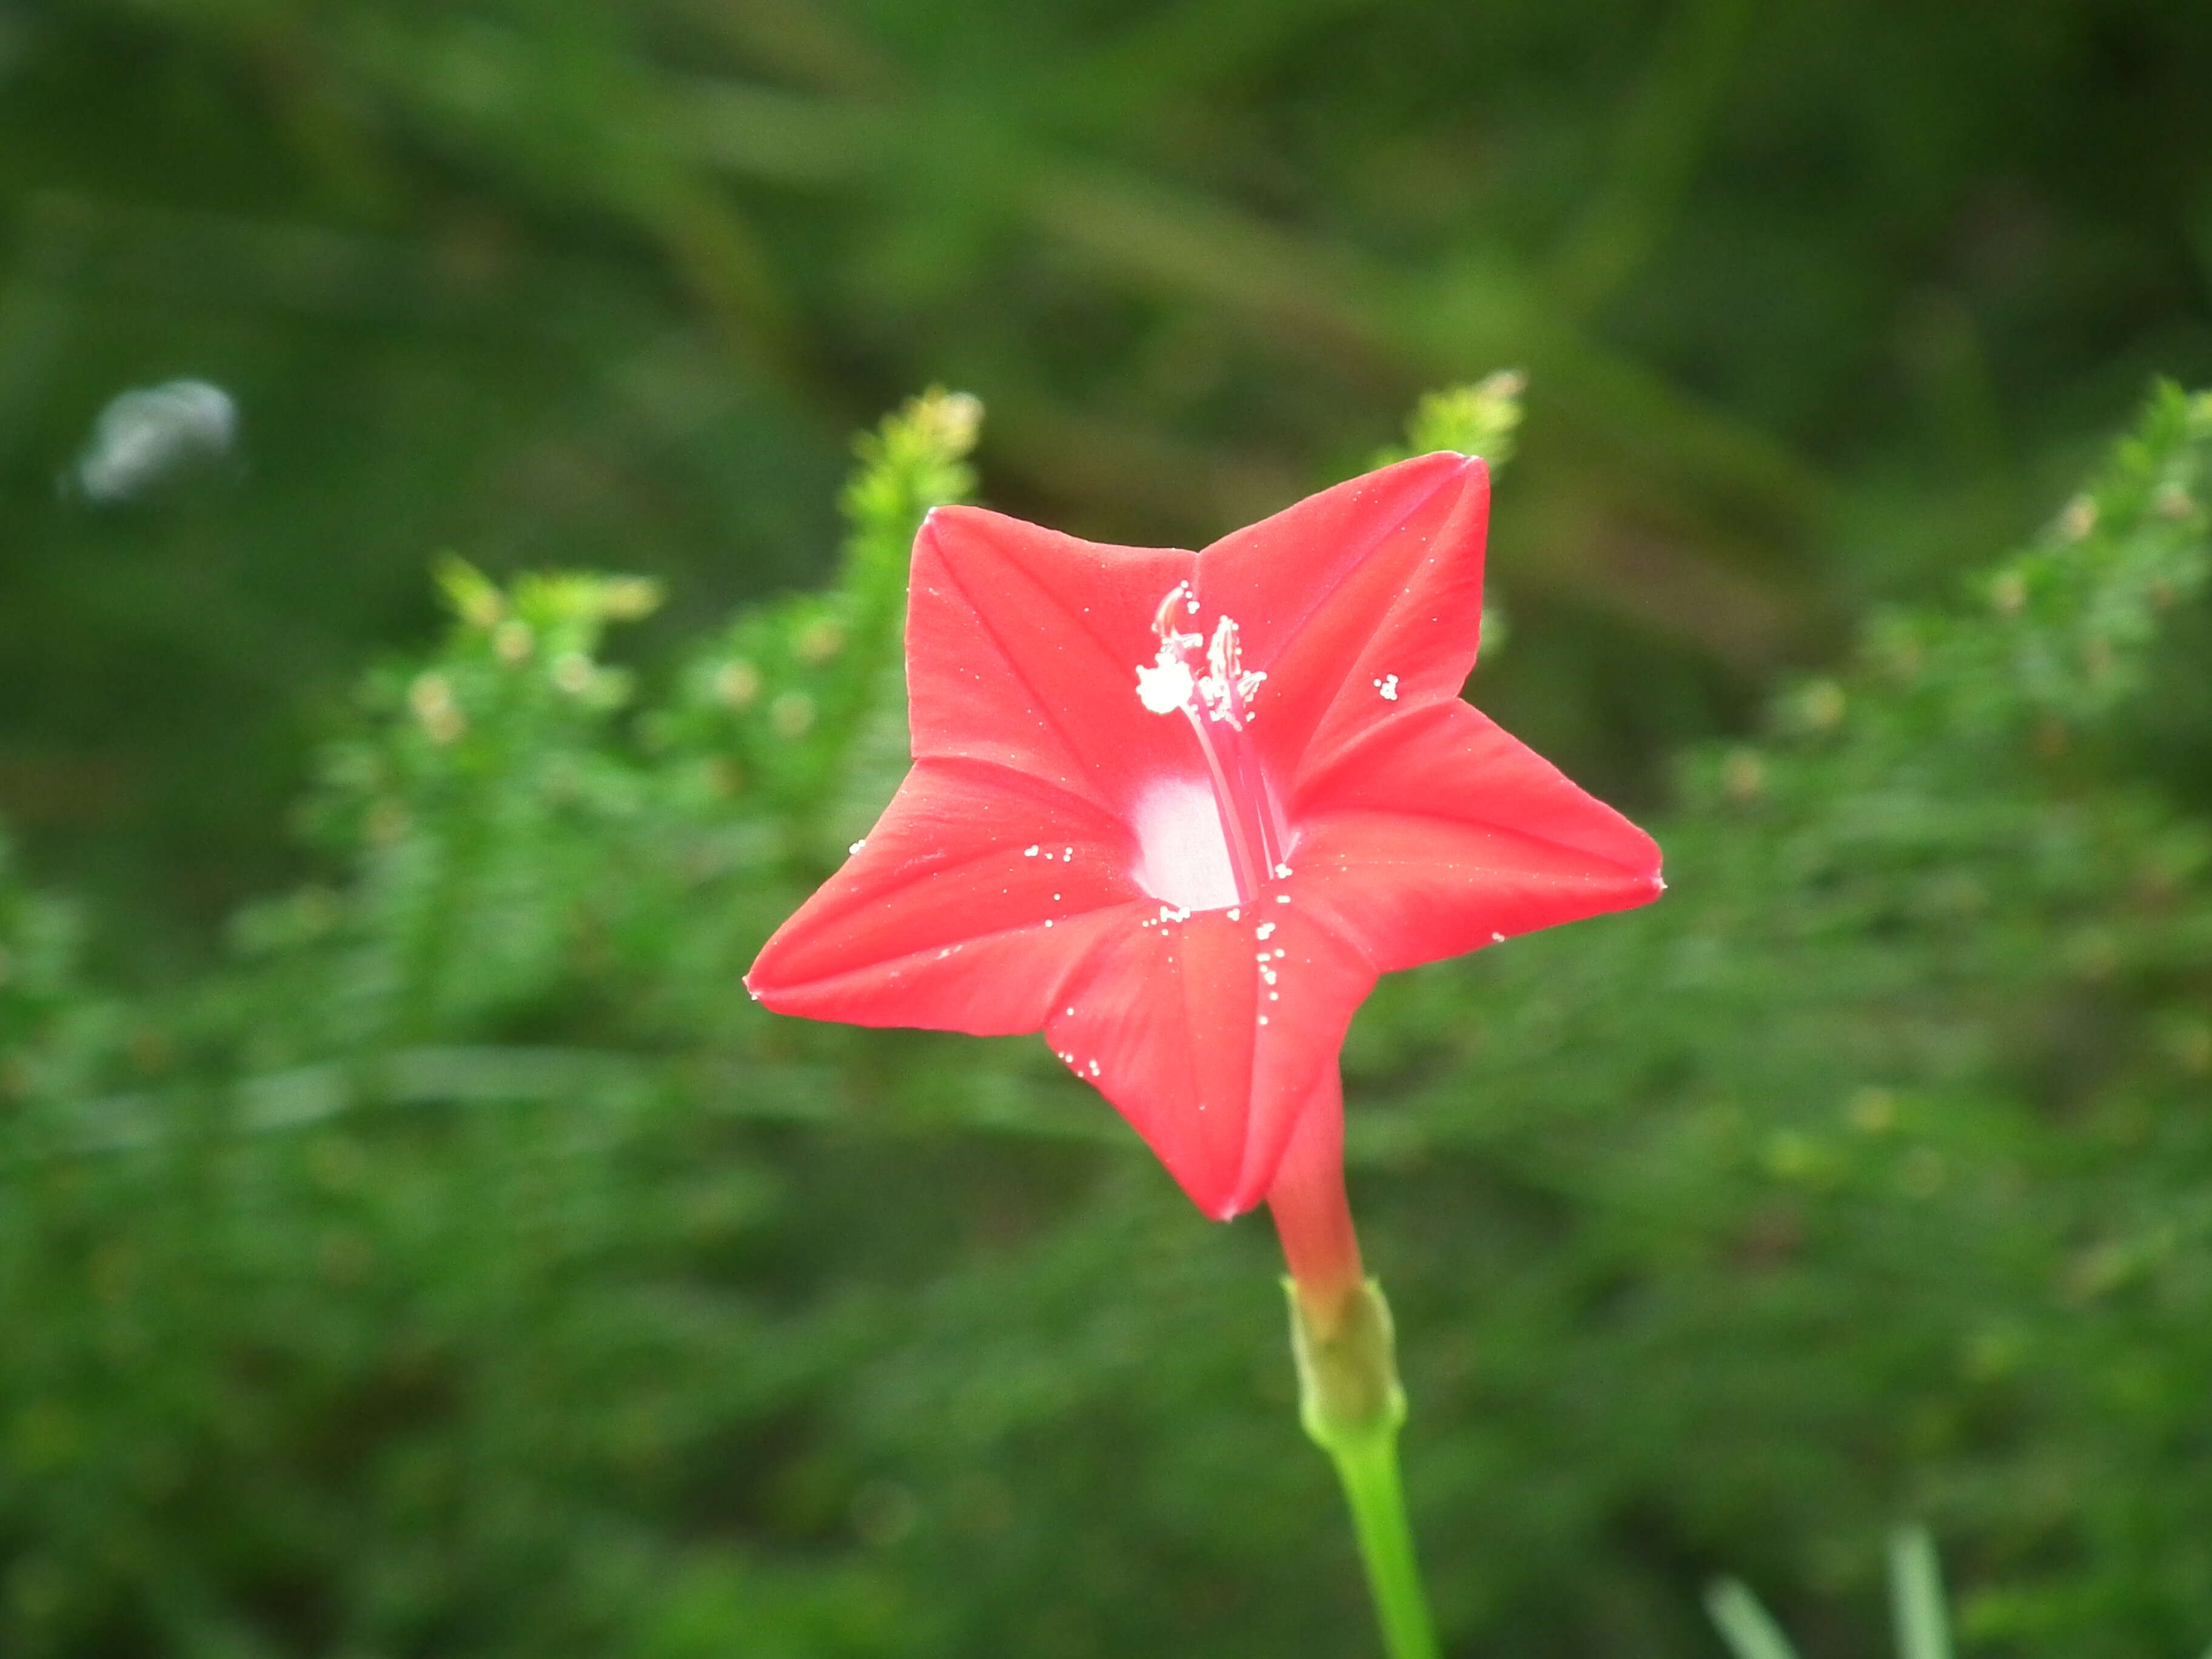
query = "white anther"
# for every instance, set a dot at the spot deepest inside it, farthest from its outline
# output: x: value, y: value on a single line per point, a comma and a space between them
x: 1165, y: 687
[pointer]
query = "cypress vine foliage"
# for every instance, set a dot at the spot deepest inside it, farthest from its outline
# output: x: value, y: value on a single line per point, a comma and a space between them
x: 465, y: 1266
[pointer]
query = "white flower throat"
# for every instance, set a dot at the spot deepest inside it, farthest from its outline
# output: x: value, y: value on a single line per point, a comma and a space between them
x: 1186, y: 859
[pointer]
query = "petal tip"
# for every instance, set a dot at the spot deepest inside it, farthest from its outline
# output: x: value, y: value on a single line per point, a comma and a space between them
x: 947, y: 516
x: 751, y: 980
x: 1441, y: 460
x: 1225, y: 1200
x: 1467, y: 461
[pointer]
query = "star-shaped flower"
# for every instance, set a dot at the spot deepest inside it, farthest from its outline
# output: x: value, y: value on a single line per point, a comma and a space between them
x: 1178, y: 810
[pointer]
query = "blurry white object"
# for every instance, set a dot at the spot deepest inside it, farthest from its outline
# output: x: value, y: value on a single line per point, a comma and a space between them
x: 147, y: 436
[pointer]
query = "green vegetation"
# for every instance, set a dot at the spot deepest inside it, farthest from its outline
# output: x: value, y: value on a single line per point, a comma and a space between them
x: 470, y: 1265
x: 443, y: 1256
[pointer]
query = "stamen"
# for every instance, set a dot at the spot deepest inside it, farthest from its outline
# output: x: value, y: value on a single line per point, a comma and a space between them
x: 1217, y: 703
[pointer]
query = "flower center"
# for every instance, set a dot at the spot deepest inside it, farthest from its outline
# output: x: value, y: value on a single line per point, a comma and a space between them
x: 1186, y: 861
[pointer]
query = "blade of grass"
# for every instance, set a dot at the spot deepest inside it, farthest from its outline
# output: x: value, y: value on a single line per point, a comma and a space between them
x: 1916, y: 1595
x: 1748, y: 1628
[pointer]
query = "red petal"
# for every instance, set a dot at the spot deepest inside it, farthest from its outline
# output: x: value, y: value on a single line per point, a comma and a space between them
x: 968, y: 909
x: 1378, y: 580
x: 1166, y: 1022
x: 1438, y: 834
x: 1023, y: 647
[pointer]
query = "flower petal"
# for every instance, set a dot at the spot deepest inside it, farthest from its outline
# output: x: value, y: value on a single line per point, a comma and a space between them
x: 1360, y: 604
x: 1210, y: 1033
x: 1438, y: 834
x: 966, y: 909
x: 1023, y: 647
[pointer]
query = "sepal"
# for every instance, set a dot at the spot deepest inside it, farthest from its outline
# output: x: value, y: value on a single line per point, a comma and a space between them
x: 1348, y: 1358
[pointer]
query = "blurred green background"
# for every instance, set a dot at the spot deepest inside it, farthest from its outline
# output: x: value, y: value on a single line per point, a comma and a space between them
x: 412, y: 1243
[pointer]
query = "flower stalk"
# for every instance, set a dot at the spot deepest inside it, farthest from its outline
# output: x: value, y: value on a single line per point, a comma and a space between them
x: 1350, y: 1405
x: 1350, y: 1402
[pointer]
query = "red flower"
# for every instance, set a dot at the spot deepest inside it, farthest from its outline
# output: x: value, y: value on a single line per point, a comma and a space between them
x: 1178, y: 810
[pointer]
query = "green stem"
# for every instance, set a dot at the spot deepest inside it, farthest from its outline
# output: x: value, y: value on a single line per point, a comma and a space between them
x: 1350, y: 1405
x: 1369, y: 1472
